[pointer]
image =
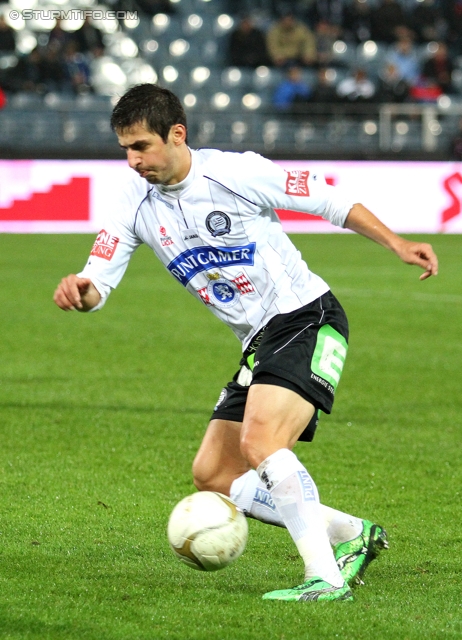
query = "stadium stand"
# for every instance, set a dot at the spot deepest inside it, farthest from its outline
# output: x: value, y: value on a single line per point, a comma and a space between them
x: 59, y: 97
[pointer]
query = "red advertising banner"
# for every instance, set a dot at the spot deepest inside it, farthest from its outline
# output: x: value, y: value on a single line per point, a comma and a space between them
x: 48, y: 196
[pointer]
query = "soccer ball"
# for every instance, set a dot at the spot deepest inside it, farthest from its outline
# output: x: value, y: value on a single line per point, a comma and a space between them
x: 206, y: 531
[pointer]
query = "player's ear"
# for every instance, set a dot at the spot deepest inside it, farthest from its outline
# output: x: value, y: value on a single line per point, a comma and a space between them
x: 178, y: 134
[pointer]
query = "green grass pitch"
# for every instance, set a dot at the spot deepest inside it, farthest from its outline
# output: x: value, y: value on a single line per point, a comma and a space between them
x: 101, y: 414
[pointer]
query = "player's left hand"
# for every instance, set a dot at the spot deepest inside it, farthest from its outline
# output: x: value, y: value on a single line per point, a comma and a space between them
x: 419, y: 253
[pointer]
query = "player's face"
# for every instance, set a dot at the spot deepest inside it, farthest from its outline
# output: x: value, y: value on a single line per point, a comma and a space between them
x: 157, y: 161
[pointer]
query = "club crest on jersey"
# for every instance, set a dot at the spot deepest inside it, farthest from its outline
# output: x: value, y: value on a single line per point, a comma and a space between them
x: 165, y: 239
x: 297, y: 183
x: 227, y: 292
x: 223, y: 293
x: 218, y: 223
x: 105, y: 245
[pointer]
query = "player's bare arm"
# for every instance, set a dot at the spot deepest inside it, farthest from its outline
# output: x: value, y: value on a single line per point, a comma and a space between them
x: 76, y: 294
x: 364, y: 222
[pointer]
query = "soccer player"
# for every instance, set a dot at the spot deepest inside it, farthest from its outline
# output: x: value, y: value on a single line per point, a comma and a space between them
x: 209, y: 217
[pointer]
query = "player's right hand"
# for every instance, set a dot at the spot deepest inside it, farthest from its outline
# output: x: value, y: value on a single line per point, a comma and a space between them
x: 71, y: 292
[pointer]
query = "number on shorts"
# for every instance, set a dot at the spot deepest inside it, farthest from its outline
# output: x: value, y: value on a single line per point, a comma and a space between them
x: 329, y: 355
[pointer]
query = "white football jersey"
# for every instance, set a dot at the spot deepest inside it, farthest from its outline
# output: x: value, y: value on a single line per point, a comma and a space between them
x: 218, y: 235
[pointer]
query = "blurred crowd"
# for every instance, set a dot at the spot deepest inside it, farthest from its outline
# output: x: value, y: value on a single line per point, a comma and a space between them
x: 62, y: 64
x: 293, y: 36
x: 416, y: 49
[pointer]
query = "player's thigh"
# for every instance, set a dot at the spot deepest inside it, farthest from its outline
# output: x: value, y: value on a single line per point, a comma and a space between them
x: 219, y: 460
x: 274, y: 419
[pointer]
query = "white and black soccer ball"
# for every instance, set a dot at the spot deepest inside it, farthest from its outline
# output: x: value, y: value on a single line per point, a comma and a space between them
x: 207, y: 531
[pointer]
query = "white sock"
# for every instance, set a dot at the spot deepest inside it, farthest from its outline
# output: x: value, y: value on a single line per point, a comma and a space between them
x: 250, y: 495
x: 340, y: 526
x: 296, y: 498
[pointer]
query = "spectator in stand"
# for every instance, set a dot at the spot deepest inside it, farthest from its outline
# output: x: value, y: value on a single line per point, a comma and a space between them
x: 391, y: 86
x: 326, y: 35
x: 356, y: 88
x: 403, y: 56
x: 427, y: 21
x: 325, y: 91
x: 58, y: 38
x: 88, y: 38
x: 386, y: 20
x: 292, y: 92
x: 27, y: 75
x: 290, y: 42
x: 439, y: 68
x: 247, y: 45
x: 7, y: 37
x: 53, y: 70
x: 77, y: 70
x: 357, y: 21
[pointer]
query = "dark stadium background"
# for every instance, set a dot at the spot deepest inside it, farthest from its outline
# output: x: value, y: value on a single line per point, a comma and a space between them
x: 185, y: 46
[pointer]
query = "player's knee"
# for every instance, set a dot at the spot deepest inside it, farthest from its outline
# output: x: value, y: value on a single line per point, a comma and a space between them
x: 201, y: 478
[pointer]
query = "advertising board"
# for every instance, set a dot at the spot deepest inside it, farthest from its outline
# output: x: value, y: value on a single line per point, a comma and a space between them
x: 60, y: 196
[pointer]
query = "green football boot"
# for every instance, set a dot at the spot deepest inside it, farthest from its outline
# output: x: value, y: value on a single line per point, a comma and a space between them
x: 353, y: 557
x: 312, y: 589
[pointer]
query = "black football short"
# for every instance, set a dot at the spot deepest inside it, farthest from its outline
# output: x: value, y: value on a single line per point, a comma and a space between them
x: 303, y: 350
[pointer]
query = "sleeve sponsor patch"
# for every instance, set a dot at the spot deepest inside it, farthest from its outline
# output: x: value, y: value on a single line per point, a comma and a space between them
x: 105, y: 245
x: 297, y: 183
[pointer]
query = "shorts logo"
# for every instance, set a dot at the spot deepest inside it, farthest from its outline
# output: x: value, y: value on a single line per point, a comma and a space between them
x: 297, y: 183
x: 221, y: 398
x: 105, y: 245
x: 329, y: 357
x: 218, y: 223
x: 165, y: 240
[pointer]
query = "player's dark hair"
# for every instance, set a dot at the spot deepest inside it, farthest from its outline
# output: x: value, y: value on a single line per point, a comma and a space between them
x: 158, y: 108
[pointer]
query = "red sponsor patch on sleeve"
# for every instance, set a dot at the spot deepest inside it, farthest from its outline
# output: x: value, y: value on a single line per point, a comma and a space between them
x: 297, y: 183
x: 105, y: 245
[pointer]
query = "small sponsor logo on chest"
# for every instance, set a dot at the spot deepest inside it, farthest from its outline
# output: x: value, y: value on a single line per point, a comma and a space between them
x: 165, y: 239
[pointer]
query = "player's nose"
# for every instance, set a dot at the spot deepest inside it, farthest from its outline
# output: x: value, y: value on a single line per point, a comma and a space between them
x: 133, y: 158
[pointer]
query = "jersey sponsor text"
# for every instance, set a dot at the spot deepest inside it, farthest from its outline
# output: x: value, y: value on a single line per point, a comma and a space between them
x: 197, y: 259
x: 297, y: 183
x: 105, y: 245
